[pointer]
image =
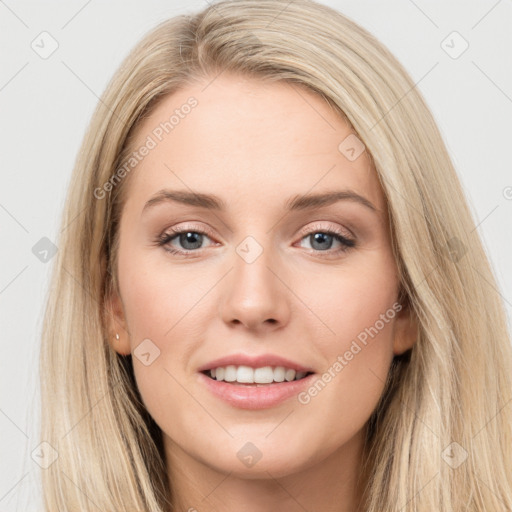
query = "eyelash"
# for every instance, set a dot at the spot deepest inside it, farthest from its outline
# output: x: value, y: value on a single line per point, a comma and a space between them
x: 166, y: 237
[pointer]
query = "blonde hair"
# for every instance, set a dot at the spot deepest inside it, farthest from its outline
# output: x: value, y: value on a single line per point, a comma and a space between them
x: 453, y: 386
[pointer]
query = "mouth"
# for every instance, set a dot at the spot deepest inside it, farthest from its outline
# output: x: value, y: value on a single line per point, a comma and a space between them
x: 248, y: 376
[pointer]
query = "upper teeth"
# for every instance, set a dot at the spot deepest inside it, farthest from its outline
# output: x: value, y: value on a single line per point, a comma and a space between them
x: 248, y: 375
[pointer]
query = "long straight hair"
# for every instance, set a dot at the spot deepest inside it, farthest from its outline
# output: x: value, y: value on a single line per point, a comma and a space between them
x: 440, y: 438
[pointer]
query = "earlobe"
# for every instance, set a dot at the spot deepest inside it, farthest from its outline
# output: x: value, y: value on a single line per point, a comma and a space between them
x: 406, y: 331
x: 116, y: 325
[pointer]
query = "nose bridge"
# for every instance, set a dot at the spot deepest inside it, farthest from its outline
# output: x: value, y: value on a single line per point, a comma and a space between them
x: 254, y: 294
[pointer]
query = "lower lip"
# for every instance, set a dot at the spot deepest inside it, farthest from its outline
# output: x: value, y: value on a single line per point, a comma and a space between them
x: 255, y: 397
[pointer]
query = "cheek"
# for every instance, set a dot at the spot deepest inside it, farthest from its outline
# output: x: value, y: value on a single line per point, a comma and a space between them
x: 355, y: 337
x: 158, y: 298
x: 356, y: 302
x: 162, y: 308
x: 347, y: 390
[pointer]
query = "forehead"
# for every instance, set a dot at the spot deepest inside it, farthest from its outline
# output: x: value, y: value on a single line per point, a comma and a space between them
x: 249, y: 142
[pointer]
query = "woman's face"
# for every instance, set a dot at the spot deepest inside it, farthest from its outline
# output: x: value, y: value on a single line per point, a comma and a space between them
x: 265, y: 278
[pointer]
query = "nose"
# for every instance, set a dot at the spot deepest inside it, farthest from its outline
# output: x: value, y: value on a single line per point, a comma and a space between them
x: 255, y: 295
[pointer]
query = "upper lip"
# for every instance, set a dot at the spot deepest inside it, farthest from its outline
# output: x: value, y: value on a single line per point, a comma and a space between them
x: 255, y: 362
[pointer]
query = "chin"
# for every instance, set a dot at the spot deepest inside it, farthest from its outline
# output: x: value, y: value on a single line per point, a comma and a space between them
x: 263, y: 469
x: 252, y: 460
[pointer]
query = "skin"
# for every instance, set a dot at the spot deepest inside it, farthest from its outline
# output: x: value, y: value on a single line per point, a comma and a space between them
x: 255, y: 145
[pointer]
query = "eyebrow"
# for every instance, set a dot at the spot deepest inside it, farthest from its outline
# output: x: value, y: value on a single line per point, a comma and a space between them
x: 295, y: 203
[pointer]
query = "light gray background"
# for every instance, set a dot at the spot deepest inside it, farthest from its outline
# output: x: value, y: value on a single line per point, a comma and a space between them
x: 47, y: 103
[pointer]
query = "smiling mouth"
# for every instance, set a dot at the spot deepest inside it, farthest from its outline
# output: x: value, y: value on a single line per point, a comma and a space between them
x: 247, y: 376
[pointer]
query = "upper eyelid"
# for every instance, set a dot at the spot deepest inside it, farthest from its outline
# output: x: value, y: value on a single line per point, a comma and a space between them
x: 316, y: 227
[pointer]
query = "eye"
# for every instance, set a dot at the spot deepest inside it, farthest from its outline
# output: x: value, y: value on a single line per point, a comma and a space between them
x: 189, y: 237
x: 322, y: 240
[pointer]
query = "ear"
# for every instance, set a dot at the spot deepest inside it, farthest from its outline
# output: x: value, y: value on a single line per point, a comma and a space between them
x: 116, y: 325
x: 406, y: 329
